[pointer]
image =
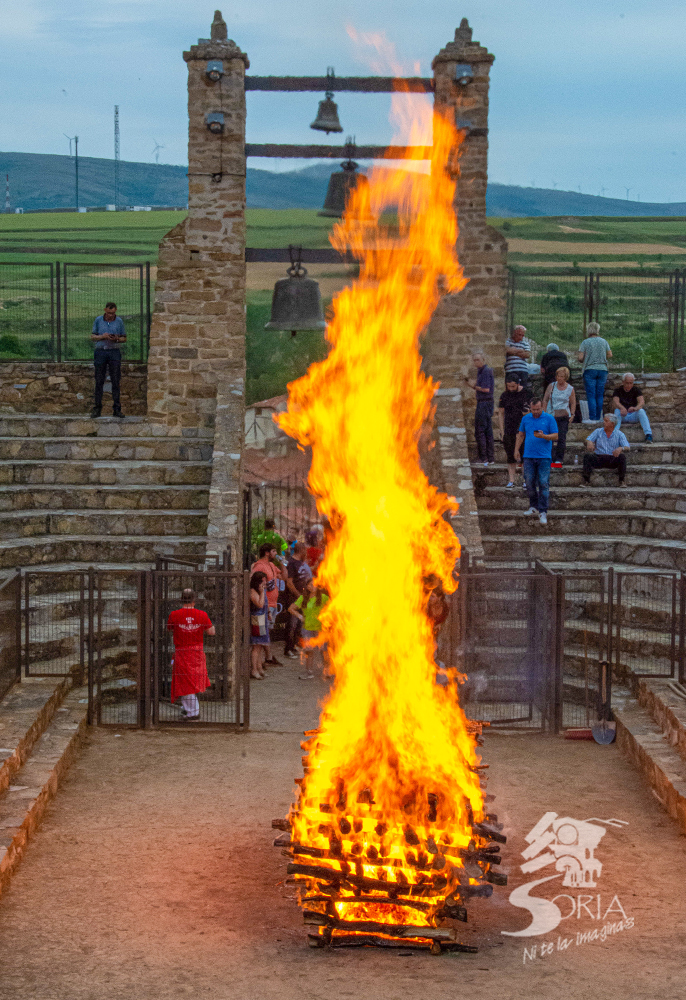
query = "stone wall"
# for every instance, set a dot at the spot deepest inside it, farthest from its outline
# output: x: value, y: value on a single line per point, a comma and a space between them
x: 196, y: 365
x: 60, y: 387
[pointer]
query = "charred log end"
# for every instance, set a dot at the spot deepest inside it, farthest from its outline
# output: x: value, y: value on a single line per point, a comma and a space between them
x: 280, y: 824
x: 497, y: 878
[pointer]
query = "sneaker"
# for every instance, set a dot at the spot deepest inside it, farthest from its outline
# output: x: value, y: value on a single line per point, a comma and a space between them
x: 274, y: 662
x: 291, y: 655
x: 531, y: 510
x: 589, y: 421
x: 306, y: 677
x: 587, y: 482
x: 510, y: 485
x: 543, y: 518
x: 556, y: 465
x: 485, y: 464
x: 648, y: 439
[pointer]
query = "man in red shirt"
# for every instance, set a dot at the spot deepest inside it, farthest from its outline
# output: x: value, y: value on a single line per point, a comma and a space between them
x: 269, y: 564
x: 189, y: 670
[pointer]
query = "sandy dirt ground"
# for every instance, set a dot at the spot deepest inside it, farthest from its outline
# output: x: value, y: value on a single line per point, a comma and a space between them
x: 154, y: 876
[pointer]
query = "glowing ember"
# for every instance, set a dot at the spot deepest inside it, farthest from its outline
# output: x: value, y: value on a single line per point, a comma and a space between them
x: 384, y: 825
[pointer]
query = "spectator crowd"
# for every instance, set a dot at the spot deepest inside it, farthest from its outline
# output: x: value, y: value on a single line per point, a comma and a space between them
x: 282, y: 585
x: 540, y: 403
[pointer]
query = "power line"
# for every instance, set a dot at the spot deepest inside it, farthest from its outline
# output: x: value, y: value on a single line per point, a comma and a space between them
x: 116, y: 157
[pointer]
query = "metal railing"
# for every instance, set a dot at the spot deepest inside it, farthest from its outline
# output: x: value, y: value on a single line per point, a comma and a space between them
x: 108, y: 628
x: 533, y: 641
x: 48, y: 309
x: 641, y: 312
x: 10, y: 632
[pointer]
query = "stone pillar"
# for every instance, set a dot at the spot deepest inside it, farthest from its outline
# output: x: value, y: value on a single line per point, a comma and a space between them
x: 196, y: 366
x: 475, y: 318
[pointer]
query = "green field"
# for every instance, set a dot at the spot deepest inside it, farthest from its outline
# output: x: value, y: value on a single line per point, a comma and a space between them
x: 637, y: 316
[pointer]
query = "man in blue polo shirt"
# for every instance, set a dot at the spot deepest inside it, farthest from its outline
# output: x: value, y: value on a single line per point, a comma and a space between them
x: 537, y: 432
x: 108, y: 333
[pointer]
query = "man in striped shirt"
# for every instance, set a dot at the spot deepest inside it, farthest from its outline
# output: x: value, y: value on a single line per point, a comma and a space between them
x: 605, y: 449
x: 517, y: 354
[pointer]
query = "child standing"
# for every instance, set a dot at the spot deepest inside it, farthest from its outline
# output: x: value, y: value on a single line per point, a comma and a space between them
x: 308, y: 608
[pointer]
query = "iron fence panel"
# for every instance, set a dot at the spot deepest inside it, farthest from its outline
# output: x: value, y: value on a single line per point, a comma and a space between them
x: 10, y: 632
x: 222, y: 595
x: 114, y: 658
x: 584, y: 633
x: 85, y: 290
x: 506, y: 648
x: 53, y: 612
x: 28, y: 327
x: 646, y: 624
x: 641, y: 312
x: 287, y: 502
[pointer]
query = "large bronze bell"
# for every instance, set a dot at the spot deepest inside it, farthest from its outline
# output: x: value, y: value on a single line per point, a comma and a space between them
x: 341, y: 186
x: 297, y: 301
x: 327, y: 114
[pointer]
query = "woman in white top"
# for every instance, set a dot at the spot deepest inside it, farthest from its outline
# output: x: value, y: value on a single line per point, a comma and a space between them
x: 560, y: 401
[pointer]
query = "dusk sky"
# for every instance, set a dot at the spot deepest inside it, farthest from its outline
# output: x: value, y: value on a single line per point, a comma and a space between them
x: 585, y: 94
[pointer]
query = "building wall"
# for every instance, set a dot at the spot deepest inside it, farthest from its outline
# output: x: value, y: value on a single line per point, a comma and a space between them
x: 64, y: 387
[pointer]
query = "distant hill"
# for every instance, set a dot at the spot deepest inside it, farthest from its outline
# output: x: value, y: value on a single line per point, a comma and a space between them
x: 42, y: 181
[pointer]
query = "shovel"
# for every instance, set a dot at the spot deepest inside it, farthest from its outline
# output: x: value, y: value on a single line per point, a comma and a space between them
x: 604, y: 731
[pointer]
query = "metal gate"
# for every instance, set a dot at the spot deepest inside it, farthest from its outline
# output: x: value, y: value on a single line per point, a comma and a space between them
x: 508, y: 647
x: 285, y: 501
x: 107, y: 628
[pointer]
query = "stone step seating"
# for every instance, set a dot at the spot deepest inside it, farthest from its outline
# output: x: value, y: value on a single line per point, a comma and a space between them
x: 91, y: 550
x: 46, y: 498
x: 658, y: 553
x: 29, y: 524
x: 42, y: 726
x: 640, y: 453
x: 663, y: 476
x: 106, y: 490
x: 158, y: 449
x: 603, y: 498
x: 651, y: 730
x: 647, y: 524
x: 65, y: 472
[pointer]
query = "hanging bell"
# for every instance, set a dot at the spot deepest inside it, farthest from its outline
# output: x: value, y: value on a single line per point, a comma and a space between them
x: 297, y: 301
x: 327, y: 114
x: 341, y: 185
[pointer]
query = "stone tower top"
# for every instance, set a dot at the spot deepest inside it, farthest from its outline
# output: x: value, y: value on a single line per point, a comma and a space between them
x: 463, y: 49
x: 218, y: 32
x: 218, y: 45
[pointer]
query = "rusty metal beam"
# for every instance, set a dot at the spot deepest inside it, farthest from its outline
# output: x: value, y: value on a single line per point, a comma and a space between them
x: 358, y: 84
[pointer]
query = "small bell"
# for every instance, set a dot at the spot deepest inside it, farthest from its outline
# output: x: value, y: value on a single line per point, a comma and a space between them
x: 341, y: 185
x: 327, y: 114
x: 297, y: 301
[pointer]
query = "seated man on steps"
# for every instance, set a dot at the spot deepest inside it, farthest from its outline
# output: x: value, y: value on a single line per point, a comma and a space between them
x: 629, y: 406
x: 605, y: 449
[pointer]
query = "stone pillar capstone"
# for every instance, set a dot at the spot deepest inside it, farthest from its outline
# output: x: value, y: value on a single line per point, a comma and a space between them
x: 474, y: 318
x: 196, y: 362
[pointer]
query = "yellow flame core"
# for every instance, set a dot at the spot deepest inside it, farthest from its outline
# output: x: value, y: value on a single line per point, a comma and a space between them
x: 388, y: 734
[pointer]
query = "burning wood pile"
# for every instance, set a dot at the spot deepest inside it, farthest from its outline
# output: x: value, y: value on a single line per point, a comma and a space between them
x: 389, y: 837
x: 369, y: 887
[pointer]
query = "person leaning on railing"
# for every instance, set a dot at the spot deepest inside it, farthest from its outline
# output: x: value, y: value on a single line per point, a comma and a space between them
x: 107, y: 334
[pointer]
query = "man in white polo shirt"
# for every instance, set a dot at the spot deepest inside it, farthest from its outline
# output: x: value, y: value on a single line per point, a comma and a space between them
x: 605, y: 449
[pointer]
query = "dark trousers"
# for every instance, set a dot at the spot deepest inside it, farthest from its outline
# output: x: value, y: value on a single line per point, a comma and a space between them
x: 593, y: 461
x: 104, y: 362
x: 483, y: 429
x: 293, y: 633
x: 560, y: 444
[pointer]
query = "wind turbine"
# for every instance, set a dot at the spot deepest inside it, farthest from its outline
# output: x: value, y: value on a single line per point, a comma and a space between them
x: 156, y: 150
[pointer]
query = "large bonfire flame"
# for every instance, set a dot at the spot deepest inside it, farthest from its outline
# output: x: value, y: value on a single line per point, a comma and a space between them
x: 385, y: 821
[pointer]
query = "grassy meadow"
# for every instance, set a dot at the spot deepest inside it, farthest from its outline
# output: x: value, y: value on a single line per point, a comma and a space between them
x: 551, y: 308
